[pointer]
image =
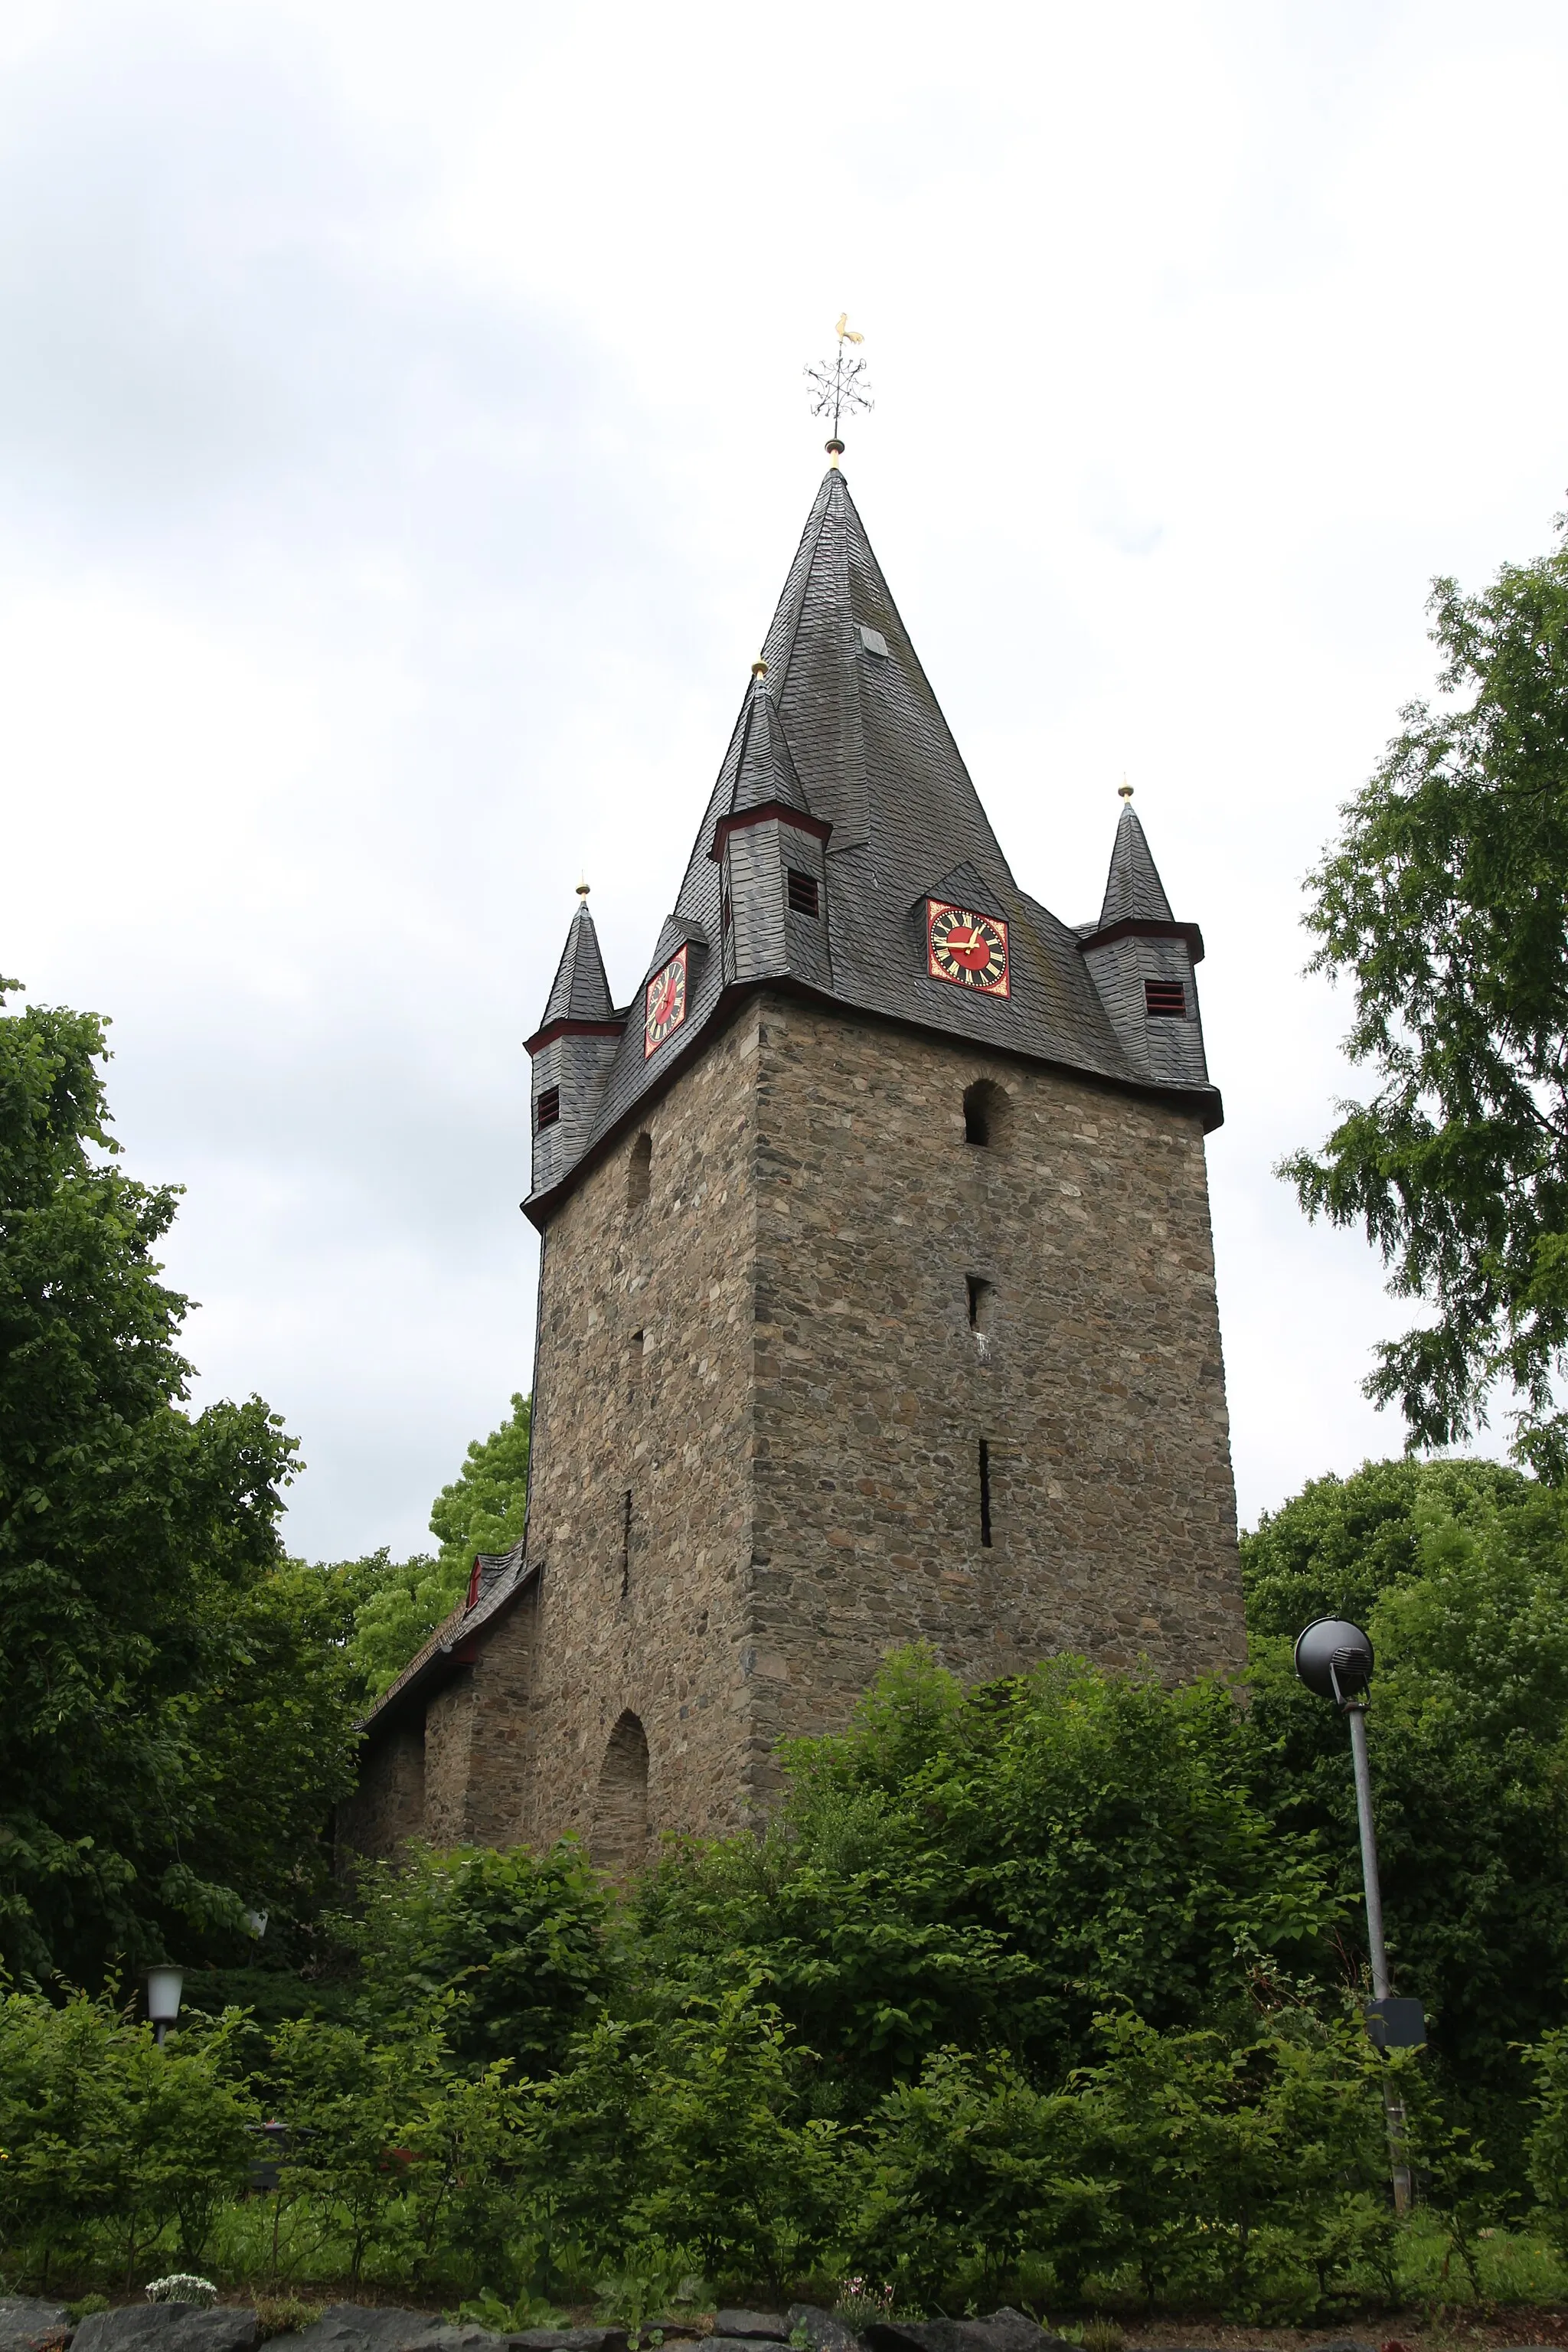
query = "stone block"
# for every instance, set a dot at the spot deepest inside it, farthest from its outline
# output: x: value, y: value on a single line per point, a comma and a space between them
x: 26, y: 2322
x: 168, y: 2327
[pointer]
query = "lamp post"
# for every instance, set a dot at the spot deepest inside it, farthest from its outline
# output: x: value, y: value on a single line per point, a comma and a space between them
x: 165, y: 1987
x: 1334, y: 1658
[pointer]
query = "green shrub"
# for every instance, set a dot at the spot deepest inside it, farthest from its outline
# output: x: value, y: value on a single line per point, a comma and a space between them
x: 989, y: 1867
x: 519, y: 1942
x: 109, y: 2139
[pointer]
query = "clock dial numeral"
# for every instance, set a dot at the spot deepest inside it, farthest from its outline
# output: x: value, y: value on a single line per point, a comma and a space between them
x: 664, y: 1004
x: 967, y: 950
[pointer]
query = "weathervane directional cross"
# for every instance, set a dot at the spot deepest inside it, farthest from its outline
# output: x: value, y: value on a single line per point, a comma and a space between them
x: 838, y: 390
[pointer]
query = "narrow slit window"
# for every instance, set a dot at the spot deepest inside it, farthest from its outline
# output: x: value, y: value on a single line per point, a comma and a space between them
x: 803, y: 896
x: 639, y: 1171
x: 635, y: 1359
x: 984, y: 1113
x: 625, y: 1543
x: 1165, y: 999
x: 981, y: 1295
x: 986, y: 1494
x: 728, y: 912
x: 549, y: 1107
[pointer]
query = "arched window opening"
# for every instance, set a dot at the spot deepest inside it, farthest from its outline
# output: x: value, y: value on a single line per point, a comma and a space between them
x: 619, y: 1841
x: 985, y: 1108
x: 639, y: 1171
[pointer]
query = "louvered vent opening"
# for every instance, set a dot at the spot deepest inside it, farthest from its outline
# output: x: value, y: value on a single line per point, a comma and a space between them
x: 1166, y: 998
x: 549, y: 1107
x: 802, y: 892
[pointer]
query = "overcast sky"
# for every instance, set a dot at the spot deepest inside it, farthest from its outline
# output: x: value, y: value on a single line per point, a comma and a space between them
x: 403, y: 440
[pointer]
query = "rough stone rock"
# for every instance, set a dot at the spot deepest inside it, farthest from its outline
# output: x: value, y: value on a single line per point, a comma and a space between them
x: 737, y: 2343
x: 569, y: 2339
x: 169, y: 2327
x: 368, y: 2327
x: 771, y: 2327
x: 821, y: 2329
x: 26, y: 2322
x: 1000, y: 2331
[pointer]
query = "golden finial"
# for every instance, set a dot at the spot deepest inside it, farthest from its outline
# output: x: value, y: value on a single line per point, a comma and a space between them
x: 1124, y: 789
x: 583, y: 887
x: 759, y: 667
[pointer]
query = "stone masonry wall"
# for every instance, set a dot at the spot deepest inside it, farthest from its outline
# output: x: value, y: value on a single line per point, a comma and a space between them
x: 760, y: 1406
x: 1097, y: 1386
x: 640, y: 1509
x: 388, y: 1808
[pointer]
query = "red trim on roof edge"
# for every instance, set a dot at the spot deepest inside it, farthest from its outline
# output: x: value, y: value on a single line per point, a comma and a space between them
x: 759, y: 816
x: 553, y: 1029
x: 1139, y: 927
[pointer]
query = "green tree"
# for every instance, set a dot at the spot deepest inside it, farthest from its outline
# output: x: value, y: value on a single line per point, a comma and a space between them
x: 172, y: 1722
x: 108, y: 2135
x: 481, y: 1511
x: 1459, y: 1572
x: 989, y: 1867
x: 1442, y: 900
x: 519, y: 1941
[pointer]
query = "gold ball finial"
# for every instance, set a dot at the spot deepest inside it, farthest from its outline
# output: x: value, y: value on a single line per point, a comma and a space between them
x: 759, y: 667
x: 582, y: 889
x: 1124, y: 789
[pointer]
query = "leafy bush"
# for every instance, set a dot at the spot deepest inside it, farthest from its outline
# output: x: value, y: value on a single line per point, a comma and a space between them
x: 106, y: 2132
x: 1459, y: 1571
x: 519, y: 1942
x: 990, y: 1867
x: 682, y: 2138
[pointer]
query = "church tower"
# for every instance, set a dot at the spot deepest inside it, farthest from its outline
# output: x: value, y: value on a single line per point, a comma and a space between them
x: 877, y: 1292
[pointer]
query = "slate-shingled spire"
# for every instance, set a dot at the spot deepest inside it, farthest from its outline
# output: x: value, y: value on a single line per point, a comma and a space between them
x: 579, y: 991
x: 1142, y: 961
x: 770, y: 849
x: 572, y: 1051
x: 764, y: 765
x: 1133, y: 890
x: 842, y: 769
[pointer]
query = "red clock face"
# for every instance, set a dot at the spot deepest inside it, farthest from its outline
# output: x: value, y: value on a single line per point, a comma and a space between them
x: 664, y: 1007
x: 968, y: 949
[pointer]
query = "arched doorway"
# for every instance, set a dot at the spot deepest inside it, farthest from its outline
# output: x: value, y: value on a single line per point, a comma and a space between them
x: 619, y: 1841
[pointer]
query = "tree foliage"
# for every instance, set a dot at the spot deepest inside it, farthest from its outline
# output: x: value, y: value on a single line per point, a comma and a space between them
x: 989, y: 1867
x: 481, y: 1511
x: 1459, y: 1572
x: 173, y: 1699
x: 1444, y: 901
x: 517, y: 1942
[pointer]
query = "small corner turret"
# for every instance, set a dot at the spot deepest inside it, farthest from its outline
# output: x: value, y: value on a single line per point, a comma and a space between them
x: 1142, y: 960
x: 571, y: 1050
x: 771, y: 854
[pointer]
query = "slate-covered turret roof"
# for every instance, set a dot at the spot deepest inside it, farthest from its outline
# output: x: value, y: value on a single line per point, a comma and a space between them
x: 844, y: 723
x: 1133, y: 890
x: 764, y: 764
x: 580, y: 991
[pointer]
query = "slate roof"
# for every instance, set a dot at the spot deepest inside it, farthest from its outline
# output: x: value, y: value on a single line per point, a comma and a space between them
x: 1133, y: 890
x: 762, y: 763
x: 503, y: 1578
x: 580, y: 991
x: 845, y: 719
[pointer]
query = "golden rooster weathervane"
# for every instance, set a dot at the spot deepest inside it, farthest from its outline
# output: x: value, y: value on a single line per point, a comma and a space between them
x: 839, y: 389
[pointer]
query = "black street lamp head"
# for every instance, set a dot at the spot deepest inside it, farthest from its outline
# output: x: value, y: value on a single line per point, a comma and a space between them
x: 1334, y: 1659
